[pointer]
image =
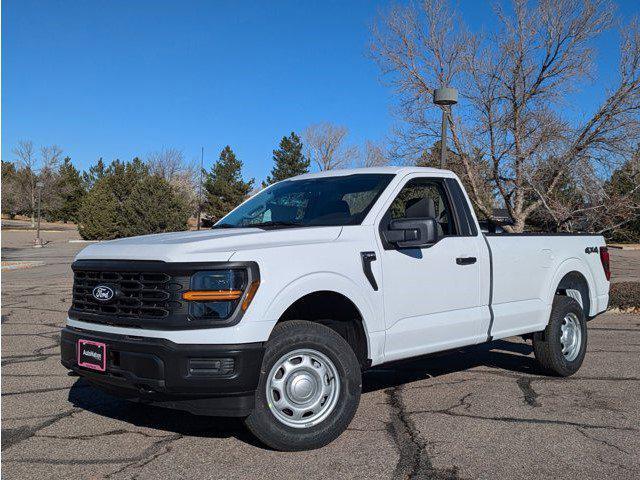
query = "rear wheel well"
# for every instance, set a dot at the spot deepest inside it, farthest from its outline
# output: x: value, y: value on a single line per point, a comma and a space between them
x: 335, y: 311
x: 574, y: 285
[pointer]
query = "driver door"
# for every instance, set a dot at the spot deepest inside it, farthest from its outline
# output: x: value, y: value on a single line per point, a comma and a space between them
x: 431, y: 301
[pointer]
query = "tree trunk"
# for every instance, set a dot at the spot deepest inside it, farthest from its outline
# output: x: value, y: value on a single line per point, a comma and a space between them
x: 33, y: 209
x: 517, y: 227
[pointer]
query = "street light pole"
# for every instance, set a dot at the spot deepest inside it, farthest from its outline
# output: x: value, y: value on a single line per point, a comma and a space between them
x: 443, y: 137
x: 38, y: 241
x: 444, y: 97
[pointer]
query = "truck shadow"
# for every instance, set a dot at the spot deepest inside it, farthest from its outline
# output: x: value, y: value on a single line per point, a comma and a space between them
x: 511, y: 356
x: 501, y: 355
x: 83, y: 395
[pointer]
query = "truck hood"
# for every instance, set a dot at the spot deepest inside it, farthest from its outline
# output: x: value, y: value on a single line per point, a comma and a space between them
x: 204, y: 245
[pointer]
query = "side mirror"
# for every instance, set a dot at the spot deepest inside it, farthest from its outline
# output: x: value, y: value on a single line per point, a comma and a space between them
x: 412, y: 232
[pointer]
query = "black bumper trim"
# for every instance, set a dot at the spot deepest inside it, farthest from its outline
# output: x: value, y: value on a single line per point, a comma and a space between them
x: 156, y: 371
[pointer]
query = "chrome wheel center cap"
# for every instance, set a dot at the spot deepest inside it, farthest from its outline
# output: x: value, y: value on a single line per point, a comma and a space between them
x: 302, y: 387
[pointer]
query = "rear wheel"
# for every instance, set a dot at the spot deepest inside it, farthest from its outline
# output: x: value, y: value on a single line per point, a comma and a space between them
x: 561, y: 347
x: 309, y: 387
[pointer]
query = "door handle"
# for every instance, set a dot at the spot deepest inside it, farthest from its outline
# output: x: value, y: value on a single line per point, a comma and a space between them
x: 466, y: 260
x: 367, y: 258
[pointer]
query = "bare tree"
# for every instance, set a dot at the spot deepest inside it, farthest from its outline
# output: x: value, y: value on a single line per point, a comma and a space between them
x: 26, y: 160
x: 515, y: 86
x: 326, y: 146
x: 25, y: 154
x: 586, y: 203
x: 50, y: 157
x: 374, y: 155
x: 32, y: 169
x: 170, y: 164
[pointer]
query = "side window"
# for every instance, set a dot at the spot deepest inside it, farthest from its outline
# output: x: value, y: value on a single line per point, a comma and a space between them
x: 423, y: 198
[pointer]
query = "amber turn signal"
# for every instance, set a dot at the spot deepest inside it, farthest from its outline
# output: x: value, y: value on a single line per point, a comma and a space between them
x: 253, y: 288
x: 211, y: 295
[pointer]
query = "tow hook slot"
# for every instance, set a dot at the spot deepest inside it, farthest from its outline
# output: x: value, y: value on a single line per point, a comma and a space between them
x: 367, y: 258
x: 145, y: 390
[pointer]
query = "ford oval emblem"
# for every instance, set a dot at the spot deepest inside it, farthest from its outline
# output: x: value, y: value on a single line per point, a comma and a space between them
x: 103, y: 293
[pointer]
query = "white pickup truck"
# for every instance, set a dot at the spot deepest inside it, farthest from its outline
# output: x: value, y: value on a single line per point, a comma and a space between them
x: 274, y: 313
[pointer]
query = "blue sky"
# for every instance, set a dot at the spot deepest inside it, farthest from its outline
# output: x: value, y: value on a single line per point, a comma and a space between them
x: 121, y: 78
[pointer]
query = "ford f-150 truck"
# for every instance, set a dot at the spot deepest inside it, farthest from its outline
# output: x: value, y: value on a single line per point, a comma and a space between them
x: 275, y: 312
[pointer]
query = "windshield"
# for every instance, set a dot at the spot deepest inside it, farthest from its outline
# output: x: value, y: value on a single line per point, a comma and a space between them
x: 339, y: 200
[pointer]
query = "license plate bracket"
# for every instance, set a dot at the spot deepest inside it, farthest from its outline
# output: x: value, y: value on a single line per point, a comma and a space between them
x: 92, y: 355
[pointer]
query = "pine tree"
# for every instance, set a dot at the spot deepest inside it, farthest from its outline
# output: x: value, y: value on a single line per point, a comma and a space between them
x: 288, y: 160
x: 9, y: 189
x: 100, y: 213
x: 95, y: 173
x: 70, y: 192
x: 224, y: 187
x: 128, y: 201
x: 154, y: 206
x: 125, y: 175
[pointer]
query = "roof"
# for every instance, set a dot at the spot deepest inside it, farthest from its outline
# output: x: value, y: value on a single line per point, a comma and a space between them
x: 394, y: 170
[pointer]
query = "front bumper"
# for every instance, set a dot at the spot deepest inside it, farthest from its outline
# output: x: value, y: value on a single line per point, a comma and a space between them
x: 202, y: 379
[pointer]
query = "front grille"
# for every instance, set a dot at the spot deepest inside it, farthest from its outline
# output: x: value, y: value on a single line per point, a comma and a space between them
x: 137, y: 295
x: 147, y: 293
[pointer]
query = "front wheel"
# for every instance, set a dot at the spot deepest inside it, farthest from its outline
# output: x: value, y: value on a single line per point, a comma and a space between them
x: 561, y: 347
x: 309, y: 387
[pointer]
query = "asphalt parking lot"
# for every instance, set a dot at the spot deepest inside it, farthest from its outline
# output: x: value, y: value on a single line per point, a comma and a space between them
x: 479, y: 412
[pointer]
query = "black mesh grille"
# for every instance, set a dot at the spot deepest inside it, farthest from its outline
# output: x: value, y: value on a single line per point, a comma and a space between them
x: 147, y: 293
x: 137, y: 295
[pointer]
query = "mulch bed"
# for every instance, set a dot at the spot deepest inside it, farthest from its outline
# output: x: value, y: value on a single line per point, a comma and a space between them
x: 625, y: 296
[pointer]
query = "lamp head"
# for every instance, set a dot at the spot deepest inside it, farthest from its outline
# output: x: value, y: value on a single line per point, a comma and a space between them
x: 445, y: 96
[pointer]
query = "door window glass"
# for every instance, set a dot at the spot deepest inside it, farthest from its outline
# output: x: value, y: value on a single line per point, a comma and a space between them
x: 421, y: 198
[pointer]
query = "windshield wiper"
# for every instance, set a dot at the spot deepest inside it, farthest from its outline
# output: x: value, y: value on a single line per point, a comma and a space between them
x: 274, y: 224
x: 224, y: 225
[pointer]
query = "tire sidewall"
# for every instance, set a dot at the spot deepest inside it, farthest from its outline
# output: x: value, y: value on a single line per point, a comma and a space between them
x: 270, y: 429
x: 567, y: 306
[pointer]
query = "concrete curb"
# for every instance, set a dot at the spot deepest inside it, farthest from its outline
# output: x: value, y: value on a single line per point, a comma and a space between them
x: 33, y: 230
x: 625, y: 246
x: 19, y: 265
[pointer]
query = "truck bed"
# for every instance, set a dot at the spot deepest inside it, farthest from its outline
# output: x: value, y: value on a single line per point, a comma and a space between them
x: 524, y: 265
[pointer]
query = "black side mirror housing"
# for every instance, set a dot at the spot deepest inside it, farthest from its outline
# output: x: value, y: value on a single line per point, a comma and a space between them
x: 412, y: 232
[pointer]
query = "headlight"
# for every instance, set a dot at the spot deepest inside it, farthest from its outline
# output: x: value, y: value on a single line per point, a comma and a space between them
x: 216, y: 294
x: 219, y: 280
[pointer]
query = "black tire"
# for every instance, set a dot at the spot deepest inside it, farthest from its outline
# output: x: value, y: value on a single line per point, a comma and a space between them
x: 547, y: 345
x: 285, y: 338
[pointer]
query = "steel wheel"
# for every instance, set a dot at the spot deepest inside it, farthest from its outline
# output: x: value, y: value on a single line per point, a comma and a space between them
x: 570, y: 336
x: 302, y: 388
x: 561, y: 347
